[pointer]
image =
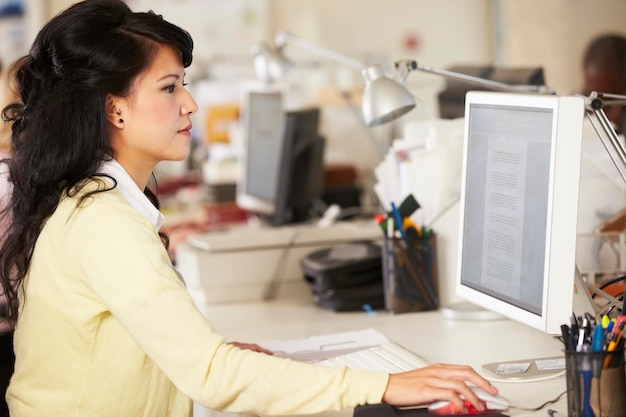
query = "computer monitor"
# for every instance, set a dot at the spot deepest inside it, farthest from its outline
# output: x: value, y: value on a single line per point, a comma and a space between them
x: 519, y: 199
x: 302, y: 180
x: 283, y: 171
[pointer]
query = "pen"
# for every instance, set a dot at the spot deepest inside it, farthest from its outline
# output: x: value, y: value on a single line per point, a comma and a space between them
x: 585, y: 376
x: 398, y: 219
x: 618, y: 345
x: 566, y: 336
x: 580, y: 341
x: 574, y: 327
x: 610, y: 348
x: 609, y: 327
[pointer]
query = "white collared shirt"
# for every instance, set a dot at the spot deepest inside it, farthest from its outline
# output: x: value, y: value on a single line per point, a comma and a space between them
x: 129, y: 189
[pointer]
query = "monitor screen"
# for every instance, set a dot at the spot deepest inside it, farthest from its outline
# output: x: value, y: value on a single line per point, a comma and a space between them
x: 264, y: 147
x: 283, y: 168
x: 519, y: 200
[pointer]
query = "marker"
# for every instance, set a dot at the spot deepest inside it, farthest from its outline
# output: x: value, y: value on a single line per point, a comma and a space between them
x: 381, y: 220
x: 390, y: 228
x: 605, y: 321
x: 597, y: 338
x: 408, y: 206
x: 615, y: 339
x: 597, y: 345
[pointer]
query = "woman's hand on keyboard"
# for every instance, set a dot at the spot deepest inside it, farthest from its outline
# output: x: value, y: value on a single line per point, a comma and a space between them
x: 433, y: 383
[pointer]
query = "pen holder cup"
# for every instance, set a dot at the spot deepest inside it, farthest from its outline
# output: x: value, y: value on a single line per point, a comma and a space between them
x: 596, y: 383
x: 410, y: 274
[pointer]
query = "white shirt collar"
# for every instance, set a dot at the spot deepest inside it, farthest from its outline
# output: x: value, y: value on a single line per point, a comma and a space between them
x: 135, y: 197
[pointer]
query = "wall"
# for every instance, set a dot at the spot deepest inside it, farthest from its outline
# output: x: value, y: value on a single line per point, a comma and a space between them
x: 506, y: 32
x: 382, y: 32
x: 554, y: 34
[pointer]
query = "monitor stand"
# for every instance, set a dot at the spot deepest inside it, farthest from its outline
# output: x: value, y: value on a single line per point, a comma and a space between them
x: 470, y: 312
x: 526, y: 370
x: 539, y: 369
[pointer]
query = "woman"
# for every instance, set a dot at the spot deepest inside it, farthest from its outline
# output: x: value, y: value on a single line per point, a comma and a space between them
x: 7, y: 358
x: 105, y: 326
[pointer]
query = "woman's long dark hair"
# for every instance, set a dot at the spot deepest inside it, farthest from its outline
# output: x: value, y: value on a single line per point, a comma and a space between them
x: 60, y: 134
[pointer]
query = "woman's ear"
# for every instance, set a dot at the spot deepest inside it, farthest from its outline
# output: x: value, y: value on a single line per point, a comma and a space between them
x: 114, y: 111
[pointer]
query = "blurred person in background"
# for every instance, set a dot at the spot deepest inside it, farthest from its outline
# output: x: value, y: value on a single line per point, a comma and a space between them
x: 604, y: 71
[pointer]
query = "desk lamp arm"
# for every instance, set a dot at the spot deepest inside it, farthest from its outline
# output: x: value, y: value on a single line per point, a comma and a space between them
x: 604, y: 129
x: 284, y: 38
x: 408, y: 65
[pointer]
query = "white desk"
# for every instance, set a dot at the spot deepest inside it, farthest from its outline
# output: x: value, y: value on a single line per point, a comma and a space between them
x: 238, y: 264
x: 428, y: 333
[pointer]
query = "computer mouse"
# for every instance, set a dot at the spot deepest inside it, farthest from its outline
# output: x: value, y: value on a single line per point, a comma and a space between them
x: 492, y: 403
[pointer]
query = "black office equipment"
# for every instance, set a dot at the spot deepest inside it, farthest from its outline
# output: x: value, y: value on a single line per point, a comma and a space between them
x: 302, y: 176
x: 452, y: 98
x: 346, y: 277
x: 283, y: 169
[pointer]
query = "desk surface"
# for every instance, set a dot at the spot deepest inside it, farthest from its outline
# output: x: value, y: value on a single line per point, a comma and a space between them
x: 429, y: 334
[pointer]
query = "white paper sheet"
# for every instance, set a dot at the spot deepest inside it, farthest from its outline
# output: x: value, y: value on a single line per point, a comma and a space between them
x: 316, y: 348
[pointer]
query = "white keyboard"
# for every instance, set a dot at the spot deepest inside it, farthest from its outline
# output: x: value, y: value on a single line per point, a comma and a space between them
x: 389, y: 357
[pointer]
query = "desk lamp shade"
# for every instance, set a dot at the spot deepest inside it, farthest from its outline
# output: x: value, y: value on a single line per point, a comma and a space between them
x: 269, y: 63
x: 383, y: 99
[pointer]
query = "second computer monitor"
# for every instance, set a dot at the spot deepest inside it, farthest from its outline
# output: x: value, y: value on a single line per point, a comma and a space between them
x: 302, y: 176
x: 283, y: 167
x: 519, y: 199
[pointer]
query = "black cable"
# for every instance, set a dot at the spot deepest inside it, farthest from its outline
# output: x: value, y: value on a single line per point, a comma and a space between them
x: 557, y: 399
x: 612, y: 281
x: 359, y: 211
x: 624, y: 301
x: 609, y: 283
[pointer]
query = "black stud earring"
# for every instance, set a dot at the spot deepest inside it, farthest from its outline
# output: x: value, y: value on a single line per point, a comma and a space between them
x: 120, y: 120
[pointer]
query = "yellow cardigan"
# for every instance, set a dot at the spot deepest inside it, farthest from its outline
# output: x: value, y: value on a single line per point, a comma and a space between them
x: 106, y: 328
